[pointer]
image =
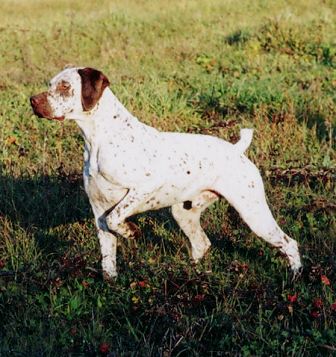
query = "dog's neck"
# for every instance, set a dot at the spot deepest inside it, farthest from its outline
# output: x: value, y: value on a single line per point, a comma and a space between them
x: 101, y: 117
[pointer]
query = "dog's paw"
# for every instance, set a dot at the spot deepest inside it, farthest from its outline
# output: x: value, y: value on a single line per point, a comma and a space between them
x: 296, y: 273
x: 109, y: 278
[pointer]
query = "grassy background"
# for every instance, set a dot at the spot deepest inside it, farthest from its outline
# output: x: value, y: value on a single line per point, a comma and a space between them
x: 192, y: 66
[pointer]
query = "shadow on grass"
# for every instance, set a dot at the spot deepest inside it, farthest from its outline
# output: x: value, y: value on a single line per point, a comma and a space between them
x: 43, y: 202
x: 40, y: 204
x: 37, y: 205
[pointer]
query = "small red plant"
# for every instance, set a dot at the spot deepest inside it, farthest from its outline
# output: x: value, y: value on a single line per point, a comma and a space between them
x: 85, y: 284
x: 318, y: 303
x: 104, y: 348
x: 199, y: 297
x: 325, y: 280
x: 315, y: 314
x: 142, y: 284
x: 292, y: 298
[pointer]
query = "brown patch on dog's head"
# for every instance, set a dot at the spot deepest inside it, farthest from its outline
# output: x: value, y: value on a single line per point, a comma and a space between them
x: 64, y: 89
x: 93, y: 84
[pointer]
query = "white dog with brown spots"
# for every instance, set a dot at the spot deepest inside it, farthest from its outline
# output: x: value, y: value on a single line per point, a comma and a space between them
x: 130, y: 167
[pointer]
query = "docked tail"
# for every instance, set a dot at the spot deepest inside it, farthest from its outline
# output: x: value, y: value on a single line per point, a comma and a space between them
x: 245, y: 140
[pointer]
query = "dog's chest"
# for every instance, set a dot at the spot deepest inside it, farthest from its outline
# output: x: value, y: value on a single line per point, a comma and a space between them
x: 98, y: 188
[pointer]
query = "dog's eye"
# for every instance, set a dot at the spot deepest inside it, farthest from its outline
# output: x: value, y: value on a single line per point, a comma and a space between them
x: 63, y: 88
x: 64, y: 85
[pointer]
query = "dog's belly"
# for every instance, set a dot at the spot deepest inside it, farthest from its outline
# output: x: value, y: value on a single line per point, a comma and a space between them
x: 169, y: 195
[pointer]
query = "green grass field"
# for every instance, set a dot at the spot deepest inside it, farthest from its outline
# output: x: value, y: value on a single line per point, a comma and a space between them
x: 210, y: 67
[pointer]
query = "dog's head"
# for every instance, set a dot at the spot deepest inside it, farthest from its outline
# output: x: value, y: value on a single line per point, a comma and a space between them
x: 71, y: 93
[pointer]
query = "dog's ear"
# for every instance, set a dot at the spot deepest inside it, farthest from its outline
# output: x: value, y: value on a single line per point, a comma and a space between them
x: 93, y: 84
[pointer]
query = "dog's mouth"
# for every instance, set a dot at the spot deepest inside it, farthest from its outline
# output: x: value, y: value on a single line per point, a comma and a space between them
x: 41, y: 107
x: 56, y: 118
x: 45, y: 116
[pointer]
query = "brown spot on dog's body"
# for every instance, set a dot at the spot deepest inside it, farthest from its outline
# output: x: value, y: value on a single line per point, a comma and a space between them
x: 286, y: 238
x: 251, y: 185
x: 187, y: 205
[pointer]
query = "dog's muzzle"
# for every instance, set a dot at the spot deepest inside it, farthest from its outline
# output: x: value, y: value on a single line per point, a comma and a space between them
x: 41, y: 107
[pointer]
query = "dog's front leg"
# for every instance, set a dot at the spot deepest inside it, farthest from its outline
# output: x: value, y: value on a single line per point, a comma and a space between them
x: 129, y: 206
x: 108, y: 248
x: 107, y: 241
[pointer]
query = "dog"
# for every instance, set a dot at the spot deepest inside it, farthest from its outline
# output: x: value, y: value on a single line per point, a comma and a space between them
x: 130, y: 167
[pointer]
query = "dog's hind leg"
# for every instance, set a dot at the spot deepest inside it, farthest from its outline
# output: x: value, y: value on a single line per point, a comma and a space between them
x: 244, y: 190
x: 187, y: 215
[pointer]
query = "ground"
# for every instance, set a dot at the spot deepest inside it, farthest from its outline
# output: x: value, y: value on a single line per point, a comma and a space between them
x: 193, y: 66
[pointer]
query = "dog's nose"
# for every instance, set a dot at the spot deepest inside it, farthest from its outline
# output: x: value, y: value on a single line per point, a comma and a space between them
x: 34, y: 100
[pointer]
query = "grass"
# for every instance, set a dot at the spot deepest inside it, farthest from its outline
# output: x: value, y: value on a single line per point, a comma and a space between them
x: 191, y: 66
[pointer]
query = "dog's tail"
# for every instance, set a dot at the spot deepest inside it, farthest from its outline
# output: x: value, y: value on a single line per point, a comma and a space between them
x: 245, y: 140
